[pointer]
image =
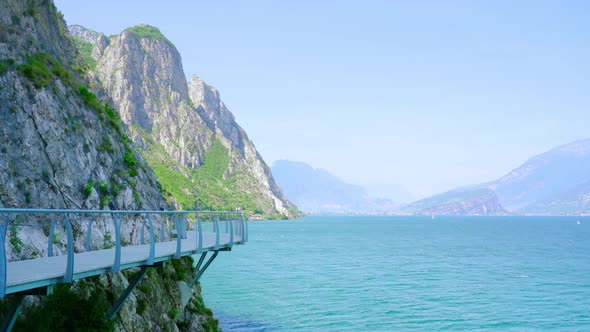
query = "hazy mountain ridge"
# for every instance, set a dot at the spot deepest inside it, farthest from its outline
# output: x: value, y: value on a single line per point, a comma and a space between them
x: 319, y: 191
x: 470, y: 201
x: 546, y: 175
x: 553, y: 182
x: 177, y: 124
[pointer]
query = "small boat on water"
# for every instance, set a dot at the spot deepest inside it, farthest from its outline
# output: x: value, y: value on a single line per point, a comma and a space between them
x: 432, y: 216
x: 578, y: 222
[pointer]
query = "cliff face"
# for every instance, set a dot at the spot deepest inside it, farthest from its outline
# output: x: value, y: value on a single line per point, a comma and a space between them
x: 458, y: 202
x: 61, y: 147
x: 179, y: 125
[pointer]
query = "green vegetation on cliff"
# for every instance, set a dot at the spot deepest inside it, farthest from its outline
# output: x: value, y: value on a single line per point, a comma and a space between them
x: 85, y: 49
x: 205, y: 187
x: 146, y: 31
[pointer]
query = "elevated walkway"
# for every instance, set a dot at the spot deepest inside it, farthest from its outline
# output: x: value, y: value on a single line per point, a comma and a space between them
x: 152, y: 238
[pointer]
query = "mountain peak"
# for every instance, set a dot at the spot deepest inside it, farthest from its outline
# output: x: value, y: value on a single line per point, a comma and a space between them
x: 87, y: 35
x: 146, y: 31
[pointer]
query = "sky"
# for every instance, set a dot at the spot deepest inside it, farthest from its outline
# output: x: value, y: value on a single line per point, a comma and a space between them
x: 427, y: 95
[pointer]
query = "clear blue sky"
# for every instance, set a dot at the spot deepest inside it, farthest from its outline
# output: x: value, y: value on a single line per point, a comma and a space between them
x: 426, y: 94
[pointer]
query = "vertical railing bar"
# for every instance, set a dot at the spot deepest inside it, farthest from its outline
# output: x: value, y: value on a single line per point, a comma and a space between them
x: 163, y: 229
x: 117, y: 263
x: 184, y: 225
x: 150, y: 260
x: 177, y: 222
x: 142, y: 236
x: 88, y: 236
x: 70, y: 260
x: 245, y: 230
x: 216, y: 225
x: 51, y: 236
x: 231, y: 234
x: 3, y: 265
x: 199, y: 235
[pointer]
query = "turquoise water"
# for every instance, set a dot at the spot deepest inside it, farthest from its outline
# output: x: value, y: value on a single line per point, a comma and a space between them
x: 405, y: 273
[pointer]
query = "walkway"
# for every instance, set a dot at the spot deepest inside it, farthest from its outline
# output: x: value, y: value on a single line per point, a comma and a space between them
x: 157, y: 236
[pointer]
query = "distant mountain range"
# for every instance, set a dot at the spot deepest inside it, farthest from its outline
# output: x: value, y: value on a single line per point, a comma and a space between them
x: 319, y: 191
x: 556, y: 182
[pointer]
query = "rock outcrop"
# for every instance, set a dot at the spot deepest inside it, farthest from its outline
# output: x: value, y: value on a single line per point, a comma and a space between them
x: 62, y: 147
x: 176, y: 123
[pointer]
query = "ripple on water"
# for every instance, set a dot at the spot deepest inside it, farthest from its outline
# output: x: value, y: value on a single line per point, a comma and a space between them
x: 394, y: 273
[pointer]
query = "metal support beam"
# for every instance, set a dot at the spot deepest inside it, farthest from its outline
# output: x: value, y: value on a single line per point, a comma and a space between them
x: 201, y: 259
x: 119, y: 303
x: 12, y: 315
x: 201, y: 271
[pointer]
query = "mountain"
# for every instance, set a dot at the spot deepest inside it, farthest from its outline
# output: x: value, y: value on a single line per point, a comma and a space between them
x: 556, y: 182
x: 200, y: 155
x: 547, y: 176
x: 575, y: 201
x: 318, y: 191
x: 471, y: 201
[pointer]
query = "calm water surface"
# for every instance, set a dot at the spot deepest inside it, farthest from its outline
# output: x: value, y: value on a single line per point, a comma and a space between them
x: 405, y: 273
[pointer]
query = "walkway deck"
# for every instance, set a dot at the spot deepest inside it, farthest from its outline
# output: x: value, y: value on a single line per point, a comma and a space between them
x: 21, y: 276
x: 35, y: 273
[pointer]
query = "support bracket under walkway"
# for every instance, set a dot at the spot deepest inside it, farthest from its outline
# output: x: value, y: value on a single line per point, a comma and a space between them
x: 119, y: 303
x: 198, y: 267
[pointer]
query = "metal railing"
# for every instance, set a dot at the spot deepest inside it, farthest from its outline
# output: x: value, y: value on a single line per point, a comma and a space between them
x: 161, y: 226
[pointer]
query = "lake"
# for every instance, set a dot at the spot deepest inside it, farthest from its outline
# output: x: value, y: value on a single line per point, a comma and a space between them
x: 405, y: 273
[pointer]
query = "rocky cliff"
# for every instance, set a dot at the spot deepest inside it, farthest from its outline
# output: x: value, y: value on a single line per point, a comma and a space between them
x: 200, y: 155
x: 458, y: 202
x: 62, y: 147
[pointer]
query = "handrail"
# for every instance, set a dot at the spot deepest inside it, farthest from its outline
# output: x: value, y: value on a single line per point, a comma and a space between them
x: 179, y: 218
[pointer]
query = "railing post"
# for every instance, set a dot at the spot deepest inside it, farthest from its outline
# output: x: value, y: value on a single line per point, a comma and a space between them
x: 231, y: 234
x: 245, y: 230
x: 69, y: 276
x: 177, y: 222
x: 242, y: 229
x: 88, y: 236
x: 141, y: 236
x: 163, y: 229
x: 216, y: 225
x: 3, y: 272
x: 51, y: 235
x: 150, y: 260
x: 117, y: 263
x: 184, y: 224
x: 199, y: 235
